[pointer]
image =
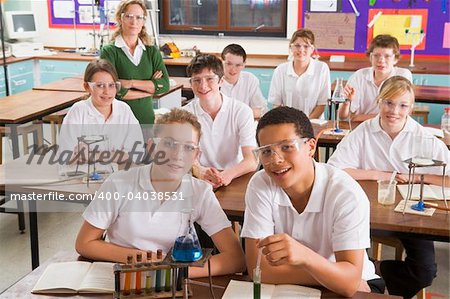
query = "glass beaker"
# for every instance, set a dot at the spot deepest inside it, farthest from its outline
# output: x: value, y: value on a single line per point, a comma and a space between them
x: 187, y: 246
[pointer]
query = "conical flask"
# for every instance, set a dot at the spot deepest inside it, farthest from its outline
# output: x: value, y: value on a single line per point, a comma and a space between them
x: 187, y: 247
x: 338, y: 93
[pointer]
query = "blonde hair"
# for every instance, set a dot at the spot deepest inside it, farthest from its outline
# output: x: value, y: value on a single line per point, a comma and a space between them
x: 121, y: 9
x: 395, y: 86
x: 177, y: 116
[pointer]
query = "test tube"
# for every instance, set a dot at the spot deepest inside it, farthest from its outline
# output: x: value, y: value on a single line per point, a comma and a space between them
x: 257, y: 283
x: 127, y: 285
x: 168, y: 281
x: 148, y: 277
x: 138, y: 289
x: 158, y: 272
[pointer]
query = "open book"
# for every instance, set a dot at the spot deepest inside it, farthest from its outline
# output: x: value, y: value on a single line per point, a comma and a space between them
x: 430, y: 192
x: 76, y: 277
x: 244, y: 289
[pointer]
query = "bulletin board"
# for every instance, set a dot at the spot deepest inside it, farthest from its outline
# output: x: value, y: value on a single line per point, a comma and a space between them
x: 79, y: 13
x: 434, y: 18
x: 396, y: 21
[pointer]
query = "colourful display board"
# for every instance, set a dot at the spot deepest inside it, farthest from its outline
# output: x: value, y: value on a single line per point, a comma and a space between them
x: 81, y: 13
x: 431, y: 17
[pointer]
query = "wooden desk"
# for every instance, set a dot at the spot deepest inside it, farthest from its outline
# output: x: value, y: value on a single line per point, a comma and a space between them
x: 425, y: 93
x: 169, y: 99
x: 23, y: 287
x: 31, y: 105
x: 231, y: 199
x: 433, y: 94
x: 382, y: 218
x: 66, y: 84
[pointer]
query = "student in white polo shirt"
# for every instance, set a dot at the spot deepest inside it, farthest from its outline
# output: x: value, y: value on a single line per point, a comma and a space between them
x: 304, y: 82
x: 373, y: 151
x: 238, y: 84
x: 102, y: 114
x: 364, y: 85
x: 139, y: 216
x: 228, y: 129
x: 311, y: 220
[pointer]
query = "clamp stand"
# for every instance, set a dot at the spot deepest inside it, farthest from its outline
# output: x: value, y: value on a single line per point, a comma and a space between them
x: 412, y: 165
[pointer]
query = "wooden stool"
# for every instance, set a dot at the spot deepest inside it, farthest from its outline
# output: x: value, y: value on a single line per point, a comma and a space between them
x: 421, y: 112
x: 55, y: 119
x: 23, y: 130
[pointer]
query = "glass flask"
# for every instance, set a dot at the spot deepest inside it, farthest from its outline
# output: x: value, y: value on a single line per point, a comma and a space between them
x: 187, y: 246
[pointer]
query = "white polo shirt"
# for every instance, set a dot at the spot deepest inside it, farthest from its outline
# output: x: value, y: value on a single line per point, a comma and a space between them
x: 223, y: 137
x: 122, y: 128
x: 246, y: 90
x: 368, y: 147
x: 366, y: 91
x: 148, y: 224
x: 303, y: 92
x: 138, y: 52
x: 336, y: 217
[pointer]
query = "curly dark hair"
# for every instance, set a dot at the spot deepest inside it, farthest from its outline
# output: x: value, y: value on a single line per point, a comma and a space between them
x: 287, y: 115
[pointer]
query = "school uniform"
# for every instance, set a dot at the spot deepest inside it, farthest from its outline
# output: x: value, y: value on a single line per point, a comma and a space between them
x: 303, y: 92
x: 246, y: 90
x: 366, y: 91
x: 133, y: 221
x: 369, y: 147
x: 121, y: 129
x: 222, y: 138
x: 336, y: 217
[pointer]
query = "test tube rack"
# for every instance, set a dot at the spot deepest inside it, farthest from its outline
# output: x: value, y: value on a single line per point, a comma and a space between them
x: 167, y: 264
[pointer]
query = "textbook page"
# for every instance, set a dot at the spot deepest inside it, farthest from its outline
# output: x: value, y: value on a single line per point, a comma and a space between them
x: 244, y: 289
x: 100, y: 278
x: 62, y: 278
x: 430, y: 192
x: 74, y: 277
x: 295, y: 291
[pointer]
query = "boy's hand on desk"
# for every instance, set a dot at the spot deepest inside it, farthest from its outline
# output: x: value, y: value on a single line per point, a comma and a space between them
x: 282, y: 249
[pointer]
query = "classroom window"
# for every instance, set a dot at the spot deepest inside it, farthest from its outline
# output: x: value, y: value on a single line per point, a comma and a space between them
x: 224, y: 17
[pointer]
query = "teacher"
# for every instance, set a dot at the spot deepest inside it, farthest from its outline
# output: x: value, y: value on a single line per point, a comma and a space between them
x: 139, y: 64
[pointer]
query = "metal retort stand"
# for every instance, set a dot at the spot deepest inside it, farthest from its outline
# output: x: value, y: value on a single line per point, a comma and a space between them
x: 412, y: 165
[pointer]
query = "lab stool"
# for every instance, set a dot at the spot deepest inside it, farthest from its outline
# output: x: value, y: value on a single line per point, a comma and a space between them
x: 23, y: 130
x: 421, y: 112
x: 55, y: 119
